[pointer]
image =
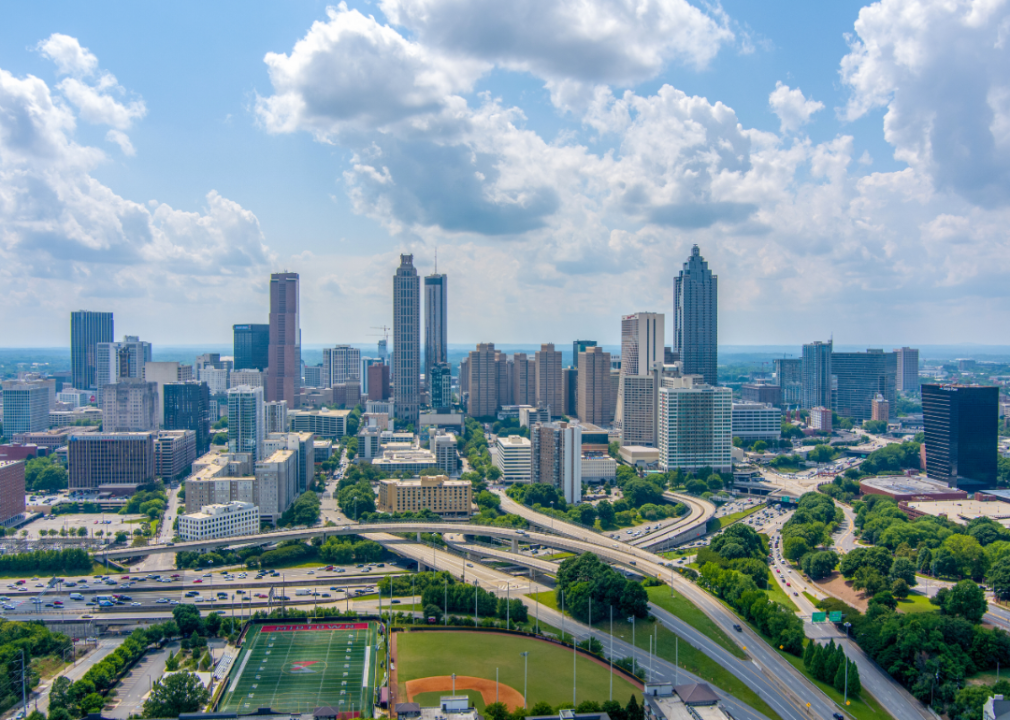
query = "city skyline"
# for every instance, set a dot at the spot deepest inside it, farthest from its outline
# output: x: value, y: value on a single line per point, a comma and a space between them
x: 153, y: 190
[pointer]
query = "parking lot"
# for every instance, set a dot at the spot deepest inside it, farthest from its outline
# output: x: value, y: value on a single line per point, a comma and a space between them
x: 108, y: 523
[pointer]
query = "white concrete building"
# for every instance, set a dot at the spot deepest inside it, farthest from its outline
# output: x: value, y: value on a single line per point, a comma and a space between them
x: 444, y: 445
x: 217, y: 521
x: 598, y: 468
x: 252, y: 378
x: 514, y: 457
x: 757, y: 421
x: 695, y: 425
x: 216, y: 379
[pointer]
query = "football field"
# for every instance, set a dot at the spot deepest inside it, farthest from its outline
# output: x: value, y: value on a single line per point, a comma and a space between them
x: 295, y: 667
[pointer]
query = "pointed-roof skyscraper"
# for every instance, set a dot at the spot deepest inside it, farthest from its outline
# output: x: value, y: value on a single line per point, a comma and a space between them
x: 696, y: 318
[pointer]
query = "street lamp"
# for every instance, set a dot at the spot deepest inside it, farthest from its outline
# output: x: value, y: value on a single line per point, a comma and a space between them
x: 847, y: 626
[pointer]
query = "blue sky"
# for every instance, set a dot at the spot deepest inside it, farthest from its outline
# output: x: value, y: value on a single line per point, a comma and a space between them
x: 845, y: 169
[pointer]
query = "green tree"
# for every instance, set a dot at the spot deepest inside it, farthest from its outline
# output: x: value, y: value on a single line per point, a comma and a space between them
x: 172, y: 662
x: 795, y: 548
x: 999, y: 578
x: 903, y: 569
x: 93, y: 703
x: 899, y: 589
x: 606, y: 513
x: 869, y: 580
x: 714, y: 482
x: 178, y: 693
x: 967, y: 600
x: 187, y: 617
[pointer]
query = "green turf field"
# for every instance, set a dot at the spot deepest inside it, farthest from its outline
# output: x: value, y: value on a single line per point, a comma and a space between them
x: 297, y: 666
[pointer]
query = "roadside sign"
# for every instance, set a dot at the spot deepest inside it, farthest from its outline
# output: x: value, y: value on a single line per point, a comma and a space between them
x: 835, y: 616
x: 818, y: 617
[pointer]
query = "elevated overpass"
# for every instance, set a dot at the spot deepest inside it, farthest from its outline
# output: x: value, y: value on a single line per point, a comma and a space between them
x: 690, y: 527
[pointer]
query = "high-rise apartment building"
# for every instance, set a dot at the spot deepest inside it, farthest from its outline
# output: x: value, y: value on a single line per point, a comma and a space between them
x: 111, y: 462
x: 187, y: 407
x: 406, y: 340
x: 580, y: 346
x: 130, y: 406
x: 12, y: 490
x: 594, y: 386
x: 513, y: 455
x: 908, y: 369
x: 503, y: 373
x: 251, y: 346
x: 378, y: 382
x: 642, y: 336
x: 482, y: 365
x: 25, y: 407
x: 857, y: 378
x: 549, y: 388
x: 695, y: 425
x: 246, y: 421
x: 284, y: 361
x: 695, y: 318
x: 556, y: 458
x: 524, y: 380
x: 174, y: 453
x: 789, y: 377
x: 87, y: 329
x: 817, y: 374
x: 275, y: 415
x: 341, y: 364
x: 436, y: 322
x: 118, y: 361
x: 440, y: 386
x: 960, y: 423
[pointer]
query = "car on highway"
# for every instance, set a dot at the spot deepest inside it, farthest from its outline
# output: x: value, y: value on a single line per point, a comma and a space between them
x: 198, y: 580
x: 161, y: 601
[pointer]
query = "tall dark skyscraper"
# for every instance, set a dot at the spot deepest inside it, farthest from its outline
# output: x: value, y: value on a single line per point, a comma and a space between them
x: 406, y: 340
x: 252, y: 347
x: 696, y: 318
x: 961, y: 434
x: 87, y: 329
x: 860, y: 377
x: 284, y: 362
x: 440, y: 386
x: 817, y: 374
x: 187, y: 407
x: 436, y: 335
x: 580, y: 346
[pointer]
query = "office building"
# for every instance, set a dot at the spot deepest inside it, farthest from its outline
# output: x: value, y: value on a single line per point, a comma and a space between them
x: 594, y: 386
x: 130, y: 406
x: 218, y: 380
x: 440, y: 386
x: 74, y: 398
x: 820, y: 418
x: 598, y: 468
x: 378, y: 382
x: 641, y: 349
x: 513, y: 456
x: 246, y: 421
x: 412, y: 461
x: 638, y: 410
x: 25, y: 407
x: 569, y: 392
x: 12, y: 491
x: 789, y: 378
x: 218, y: 521
x: 817, y: 375
x: 857, y: 378
x: 580, y: 346
x: 284, y: 351
x: 366, y: 363
x: 162, y: 373
x: 341, y: 364
x: 908, y: 369
x: 87, y: 329
x: 881, y: 409
x: 556, y: 458
x: 275, y: 414
x: 549, y: 387
x: 314, y: 376
x: 695, y: 318
x: 252, y: 378
x: 187, y: 407
x: 116, y: 463
x: 251, y: 346
x: 961, y: 434
x: 436, y: 322
x: 437, y: 493
x: 406, y: 340
x: 325, y: 423
x: 119, y: 361
x: 174, y: 453
x: 445, y: 445
x: 695, y: 425
x: 761, y: 393
x: 530, y: 416
x: 482, y: 365
x: 757, y: 421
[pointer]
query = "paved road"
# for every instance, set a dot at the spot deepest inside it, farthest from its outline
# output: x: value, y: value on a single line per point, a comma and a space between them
x: 164, y: 561
x: 134, y: 688
x: 75, y: 672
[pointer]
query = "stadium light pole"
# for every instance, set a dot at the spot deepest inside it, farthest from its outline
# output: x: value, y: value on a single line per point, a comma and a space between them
x: 611, y: 652
x: 526, y: 667
x: 445, y: 609
x: 476, y: 613
x: 574, y: 656
x: 633, y: 646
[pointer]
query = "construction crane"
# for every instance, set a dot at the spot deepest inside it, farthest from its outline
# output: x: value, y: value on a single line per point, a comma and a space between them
x: 385, y: 331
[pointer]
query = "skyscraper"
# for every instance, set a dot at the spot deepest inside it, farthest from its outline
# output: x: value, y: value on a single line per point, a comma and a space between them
x: 695, y: 318
x: 557, y: 458
x: 187, y: 407
x: 284, y: 353
x: 436, y: 336
x: 130, y: 406
x: 440, y: 386
x: 789, y: 377
x: 695, y: 425
x: 119, y: 361
x: 524, y: 380
x: 817, y: 378
x: 406, y: 340
x: 594, y: 386
x: 341, y: 364
x: 580, y: 346
x: 642, y: 337
x: 908, y: 369
x: 483, y: 367
x: 858, y: 378
x: 378, y: 382
x: 246, y: 421
x: 960, y: 423
x: 87, y: 329
x: 25, y: 407
x: 549, y: 389
x: 252, y: 347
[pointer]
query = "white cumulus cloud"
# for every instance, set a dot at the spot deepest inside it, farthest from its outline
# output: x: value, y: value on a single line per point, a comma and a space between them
x: 792, y: 108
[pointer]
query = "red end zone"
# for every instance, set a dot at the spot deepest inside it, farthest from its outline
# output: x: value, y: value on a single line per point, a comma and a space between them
x: 314, y: 628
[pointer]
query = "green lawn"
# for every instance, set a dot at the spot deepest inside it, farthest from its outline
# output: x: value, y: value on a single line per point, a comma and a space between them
x: 556, y: 556
x: 864, y: 708
x: 690, y: 613
x: 424, y: 654
x: 777, y: 594
x: 916, y: 603
x: 730, y: 519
